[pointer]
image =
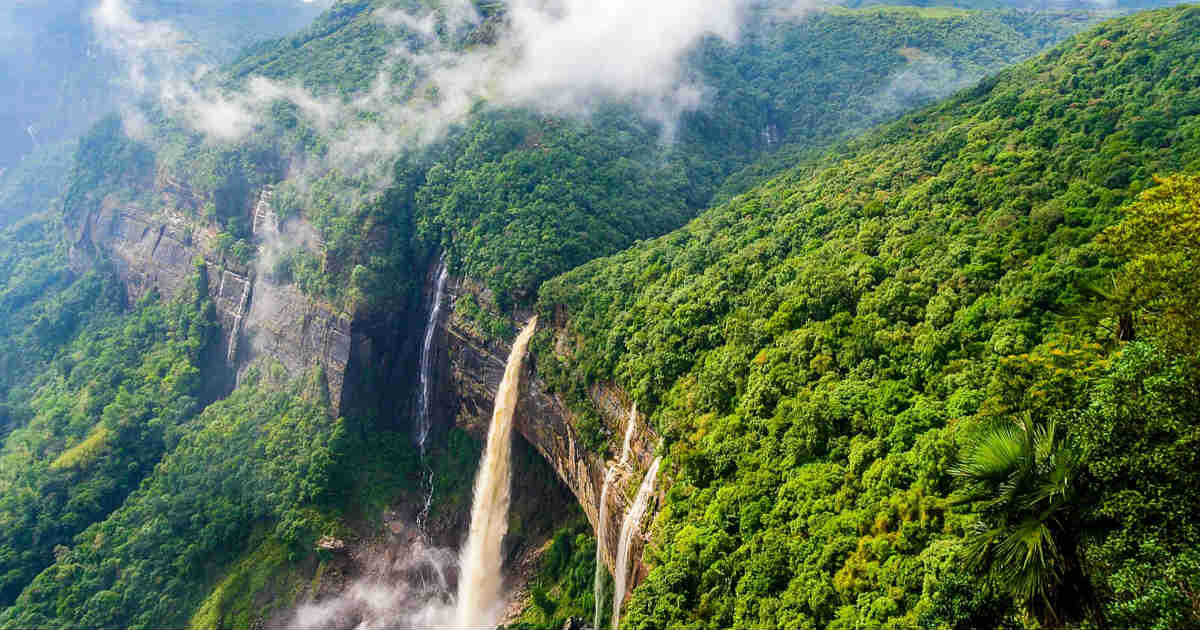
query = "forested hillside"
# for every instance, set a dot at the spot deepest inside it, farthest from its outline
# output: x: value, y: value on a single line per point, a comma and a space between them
x: 61, y: 68
x: 941, y: 376
x: 936, y: 373
x: 516, y: 197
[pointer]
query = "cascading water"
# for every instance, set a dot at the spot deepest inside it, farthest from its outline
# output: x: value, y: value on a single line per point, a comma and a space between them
x: 621, y: 462
x: 479, y: 586
x: 629, y: 528
x: 236, y: 329
x: 424, y: 417
x: 425, y: 400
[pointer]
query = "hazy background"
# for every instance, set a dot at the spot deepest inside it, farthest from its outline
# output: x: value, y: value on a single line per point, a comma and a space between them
x: 55, y: 79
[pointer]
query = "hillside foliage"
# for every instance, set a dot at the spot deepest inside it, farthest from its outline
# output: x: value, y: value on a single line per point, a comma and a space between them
x: 820, y: 353
x: 940, y: 374
x: 515, y: 196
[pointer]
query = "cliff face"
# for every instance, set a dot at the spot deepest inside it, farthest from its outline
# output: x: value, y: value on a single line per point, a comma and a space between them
x: 156, y: 249
x: 476, y: 367
x: 368, y: 361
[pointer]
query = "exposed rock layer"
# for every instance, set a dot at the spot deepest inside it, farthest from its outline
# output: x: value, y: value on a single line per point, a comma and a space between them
x: 476, y: 367
x: 158, y: 250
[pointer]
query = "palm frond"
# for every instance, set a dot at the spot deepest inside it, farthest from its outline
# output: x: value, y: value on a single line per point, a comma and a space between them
x: 995, y: 457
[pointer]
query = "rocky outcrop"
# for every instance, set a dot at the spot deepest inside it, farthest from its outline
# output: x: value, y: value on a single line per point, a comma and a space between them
x: 297, y: 331
x: 158, y: 250
x: 367, y: 360
x: 476, y: 367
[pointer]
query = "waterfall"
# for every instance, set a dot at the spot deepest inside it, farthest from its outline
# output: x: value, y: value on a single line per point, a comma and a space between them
x: 265, y: 221
x: 424, y: 417
x: 425, y: 399
x: 479, y: 585
x: 237, y: 320
x: 602, y: 519
x: 631, y: 526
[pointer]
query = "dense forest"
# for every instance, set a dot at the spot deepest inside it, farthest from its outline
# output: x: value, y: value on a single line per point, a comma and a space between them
x: 516, y: 197
x: 909, y: 299
x: 954, y: 348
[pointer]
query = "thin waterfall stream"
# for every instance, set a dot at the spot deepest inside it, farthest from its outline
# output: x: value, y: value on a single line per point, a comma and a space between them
x: 631, y: 527
x: 621, y: 462
x: 480, y: 588
x: 424, y: 404
x: 425, y: 400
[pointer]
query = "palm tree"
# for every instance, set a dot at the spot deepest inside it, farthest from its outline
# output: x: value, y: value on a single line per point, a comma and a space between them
x: 1020, y: 479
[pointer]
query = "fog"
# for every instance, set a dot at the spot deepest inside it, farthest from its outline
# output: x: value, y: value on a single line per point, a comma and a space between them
x: 58, y: 77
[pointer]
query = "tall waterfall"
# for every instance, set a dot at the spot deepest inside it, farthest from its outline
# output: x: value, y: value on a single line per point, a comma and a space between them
x: 236, y: 330
x: 424, y: 417
x: 425, y: 397
x: 629, y: 528
x: 479, y: 586
x: 621, y: 462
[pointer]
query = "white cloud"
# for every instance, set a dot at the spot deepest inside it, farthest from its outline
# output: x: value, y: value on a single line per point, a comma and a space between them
x: 578, y: 50
x: 556, y: 56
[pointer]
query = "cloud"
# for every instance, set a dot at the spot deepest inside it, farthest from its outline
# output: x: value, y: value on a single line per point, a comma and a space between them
x: 561, y: 57
x: 924, y: 79
x: 575, y: 51
x: 149, y: 50
x: 556, y: 57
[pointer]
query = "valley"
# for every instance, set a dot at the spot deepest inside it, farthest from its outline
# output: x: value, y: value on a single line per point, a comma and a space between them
x: 818, y: 316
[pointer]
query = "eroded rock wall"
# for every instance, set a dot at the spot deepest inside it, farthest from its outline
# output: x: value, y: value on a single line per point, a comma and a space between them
x: 157, y: 250
x: 476, y: 367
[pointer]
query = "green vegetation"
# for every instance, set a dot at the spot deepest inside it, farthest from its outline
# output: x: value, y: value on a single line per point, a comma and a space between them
x: 1022, y: 481
x: 562, y: 587
x: 263, y: 572
x: 516, y: 197
x: 41, y: 305
x: 103, y: 412
x: 942, y: 375
x: 822, y: 353
x: 31, y: 186
x: 263, y: 455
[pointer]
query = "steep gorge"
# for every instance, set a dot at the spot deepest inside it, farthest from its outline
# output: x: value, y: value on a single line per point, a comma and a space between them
x: 260, y: 319
x: 546, y: 421
x: 367, y: 353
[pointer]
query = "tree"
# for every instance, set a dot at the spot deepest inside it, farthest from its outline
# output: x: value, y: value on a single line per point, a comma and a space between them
x: 1160, y: 240
x: 1021, y: 480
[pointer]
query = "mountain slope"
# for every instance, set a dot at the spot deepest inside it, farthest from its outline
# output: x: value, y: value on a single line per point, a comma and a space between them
x: 538, y: 194
x: 513, y: 196
x: 815, y: 351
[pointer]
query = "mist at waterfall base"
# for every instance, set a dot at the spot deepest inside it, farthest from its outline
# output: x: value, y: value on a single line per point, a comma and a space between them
x: 417, y: 585
x: 408, y: 586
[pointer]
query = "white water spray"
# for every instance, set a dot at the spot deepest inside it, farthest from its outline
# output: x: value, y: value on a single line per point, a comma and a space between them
x: 621, y: 462
x: 479, y: 601
x: 407, y: 586
x: 629, y: 528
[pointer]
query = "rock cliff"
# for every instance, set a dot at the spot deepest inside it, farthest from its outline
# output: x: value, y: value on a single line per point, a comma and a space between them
x: 543, y: 418
x: 156, y: 249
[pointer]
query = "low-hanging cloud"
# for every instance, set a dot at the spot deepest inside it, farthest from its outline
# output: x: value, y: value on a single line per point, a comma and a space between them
x: 575, y: 51
x: 561, y: 57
